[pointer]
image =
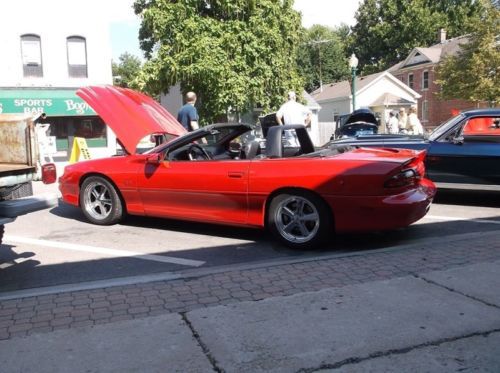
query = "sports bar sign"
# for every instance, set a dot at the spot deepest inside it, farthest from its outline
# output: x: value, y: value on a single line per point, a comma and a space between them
x: 51, y: 102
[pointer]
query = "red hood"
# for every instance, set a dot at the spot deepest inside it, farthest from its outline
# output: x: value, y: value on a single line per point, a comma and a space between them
x: 130, y: 114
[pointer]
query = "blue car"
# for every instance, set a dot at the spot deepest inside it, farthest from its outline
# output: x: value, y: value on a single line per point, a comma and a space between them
x: 462, y: 153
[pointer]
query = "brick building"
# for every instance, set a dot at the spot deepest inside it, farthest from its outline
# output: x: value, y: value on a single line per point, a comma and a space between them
x: 418, y: 72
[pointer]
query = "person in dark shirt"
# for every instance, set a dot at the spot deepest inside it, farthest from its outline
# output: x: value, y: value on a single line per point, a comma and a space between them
x: 188, y: 115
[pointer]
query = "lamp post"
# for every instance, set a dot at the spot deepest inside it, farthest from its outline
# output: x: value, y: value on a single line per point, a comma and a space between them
x: 353, y: 64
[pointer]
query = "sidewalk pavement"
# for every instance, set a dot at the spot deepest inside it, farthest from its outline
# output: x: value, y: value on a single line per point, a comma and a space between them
x: 419, y: 308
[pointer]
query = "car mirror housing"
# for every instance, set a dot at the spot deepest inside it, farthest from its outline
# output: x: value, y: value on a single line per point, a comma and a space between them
x: 154, y: 159
x: 458, y: 140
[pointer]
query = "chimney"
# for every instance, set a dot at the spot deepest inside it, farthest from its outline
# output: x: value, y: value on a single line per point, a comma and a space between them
x: 442, y: 35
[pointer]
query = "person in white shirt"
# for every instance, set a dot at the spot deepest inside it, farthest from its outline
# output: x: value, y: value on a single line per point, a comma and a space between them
x: 292, y: 112
x: 403, y: 120
x: 393, y: 124
x: 414, y: 125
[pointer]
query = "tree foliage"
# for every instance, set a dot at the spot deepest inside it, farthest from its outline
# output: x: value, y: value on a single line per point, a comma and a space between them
x: 387, y: 30
x: 234, y: 54
x: 323, y: 56
x: 126, y: 70
x: 473, y: 74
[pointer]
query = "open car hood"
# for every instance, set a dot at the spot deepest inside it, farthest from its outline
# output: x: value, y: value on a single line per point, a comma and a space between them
x: 130, y: 114
x: 361, y: 115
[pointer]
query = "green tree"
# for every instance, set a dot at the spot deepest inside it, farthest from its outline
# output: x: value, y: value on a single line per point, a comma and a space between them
x: 387, y: 30
x: 322, y: 57
x: 127, y: 70
x: 235, y: 54
x: 473, y: 74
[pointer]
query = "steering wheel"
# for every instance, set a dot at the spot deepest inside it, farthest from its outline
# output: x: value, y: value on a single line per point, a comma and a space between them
x: 194, y: 150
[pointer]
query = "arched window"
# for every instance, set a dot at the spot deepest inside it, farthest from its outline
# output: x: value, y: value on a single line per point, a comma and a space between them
x: 31, y: 51
x: 77, y: 57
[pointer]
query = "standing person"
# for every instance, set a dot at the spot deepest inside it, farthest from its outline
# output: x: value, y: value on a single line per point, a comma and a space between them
x: 414, y: 125
x: 402, y: 120
x: 393, y: 123
x: 291, y: 112
x: 188, y: 115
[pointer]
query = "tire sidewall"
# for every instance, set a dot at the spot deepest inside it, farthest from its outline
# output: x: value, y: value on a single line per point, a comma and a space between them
x: 325, y: 228
x: 116, y: 213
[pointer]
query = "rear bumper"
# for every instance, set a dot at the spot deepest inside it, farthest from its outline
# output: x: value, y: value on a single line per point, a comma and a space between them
x: 363, y: 214
x: 12, y: 208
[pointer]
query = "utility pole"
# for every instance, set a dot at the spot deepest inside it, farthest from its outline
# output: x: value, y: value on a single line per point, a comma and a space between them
x: 318, y: 43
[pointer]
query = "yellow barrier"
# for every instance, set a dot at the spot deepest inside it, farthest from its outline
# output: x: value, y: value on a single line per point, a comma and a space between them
x: 79, y: 149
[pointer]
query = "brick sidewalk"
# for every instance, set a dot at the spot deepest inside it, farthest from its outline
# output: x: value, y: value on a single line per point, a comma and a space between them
x: 25, y: 316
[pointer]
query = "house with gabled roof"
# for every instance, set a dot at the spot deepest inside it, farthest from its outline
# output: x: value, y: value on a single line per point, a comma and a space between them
x: 380, y: 92
x: 418, y: 71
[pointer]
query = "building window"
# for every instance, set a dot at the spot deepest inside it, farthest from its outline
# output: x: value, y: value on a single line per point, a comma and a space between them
x: 425, y: 111
x: 425, y: 80
x: 31, y: 51
x: 77, y: 57
x: 410, y: 80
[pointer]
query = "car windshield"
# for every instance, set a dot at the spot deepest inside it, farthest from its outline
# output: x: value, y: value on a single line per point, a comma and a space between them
x: 444, y: 127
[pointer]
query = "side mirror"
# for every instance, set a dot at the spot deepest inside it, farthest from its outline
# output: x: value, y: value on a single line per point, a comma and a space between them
x: 458, y: 140
x: 154, y: 159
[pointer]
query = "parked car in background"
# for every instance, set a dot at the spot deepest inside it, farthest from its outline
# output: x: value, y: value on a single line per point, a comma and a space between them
x: 214, y: 175
x: 462, y: 153
x: 359, y: 122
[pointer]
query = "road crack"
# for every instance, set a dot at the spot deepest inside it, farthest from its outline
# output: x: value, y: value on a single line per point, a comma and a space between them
x: 456, y: 291
x: 204, y: 347
x: 400, y: 351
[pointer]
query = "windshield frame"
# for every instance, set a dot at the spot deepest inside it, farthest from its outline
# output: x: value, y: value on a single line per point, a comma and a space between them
x: 445, y: 127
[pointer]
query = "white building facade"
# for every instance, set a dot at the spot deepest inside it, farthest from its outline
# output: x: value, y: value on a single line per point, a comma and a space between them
x: 381, y: 93
x: 47, y: 53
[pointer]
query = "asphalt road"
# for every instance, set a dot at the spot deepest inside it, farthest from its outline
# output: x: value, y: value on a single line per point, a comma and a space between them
x: 57, y: 246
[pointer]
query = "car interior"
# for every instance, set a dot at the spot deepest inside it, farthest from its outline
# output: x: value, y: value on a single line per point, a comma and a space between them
x: 224, y: 143
x: 484, y: 129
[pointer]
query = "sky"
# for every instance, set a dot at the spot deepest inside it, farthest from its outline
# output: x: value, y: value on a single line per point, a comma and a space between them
x: 125, y: 24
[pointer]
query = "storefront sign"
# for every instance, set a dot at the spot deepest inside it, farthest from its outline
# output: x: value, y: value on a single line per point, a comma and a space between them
x: 50, y: 102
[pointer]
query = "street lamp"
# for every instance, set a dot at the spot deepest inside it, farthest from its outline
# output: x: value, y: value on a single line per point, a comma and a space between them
x: 353, y: 64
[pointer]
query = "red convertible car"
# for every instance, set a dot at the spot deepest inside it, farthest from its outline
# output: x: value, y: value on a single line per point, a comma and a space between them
x: 219, y: 174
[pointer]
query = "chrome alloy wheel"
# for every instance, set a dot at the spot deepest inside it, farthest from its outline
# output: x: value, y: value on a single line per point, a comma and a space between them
x: 97, y: 200
x: 297, y: 219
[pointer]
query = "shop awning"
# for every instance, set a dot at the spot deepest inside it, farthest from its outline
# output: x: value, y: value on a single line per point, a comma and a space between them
x: 53, y: 102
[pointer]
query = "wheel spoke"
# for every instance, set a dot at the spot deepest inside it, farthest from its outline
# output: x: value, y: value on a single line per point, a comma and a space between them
x: 300, y: 207
x: 286, y: 211
x: 309, y: 217
x: 95, y: 193
x: 289, y: 227
x: 305, y: 232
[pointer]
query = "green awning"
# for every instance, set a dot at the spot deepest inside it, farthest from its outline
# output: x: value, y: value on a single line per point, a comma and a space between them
x: 53, y: 102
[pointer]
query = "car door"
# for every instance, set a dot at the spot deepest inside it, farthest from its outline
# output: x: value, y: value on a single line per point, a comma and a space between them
x: 210, y: 190
x: 469, y: 160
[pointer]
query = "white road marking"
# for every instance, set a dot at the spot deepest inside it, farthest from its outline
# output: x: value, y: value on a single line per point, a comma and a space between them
x: 104, y: 250
x: 450, y: 218
x: 13, y: 262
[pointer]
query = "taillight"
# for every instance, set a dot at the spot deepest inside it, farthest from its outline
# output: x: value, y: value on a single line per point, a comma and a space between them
x: 407, y: 177
x: 49, y: 173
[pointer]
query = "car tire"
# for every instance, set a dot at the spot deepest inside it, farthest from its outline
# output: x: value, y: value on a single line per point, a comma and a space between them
x: 299, y: 219
x: 100, y: 202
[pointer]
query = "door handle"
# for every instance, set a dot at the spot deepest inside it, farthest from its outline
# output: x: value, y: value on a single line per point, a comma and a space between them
x: 235, y: 174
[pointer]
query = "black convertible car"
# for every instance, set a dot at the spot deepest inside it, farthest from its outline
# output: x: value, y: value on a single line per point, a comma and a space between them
x: 462, y: 153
